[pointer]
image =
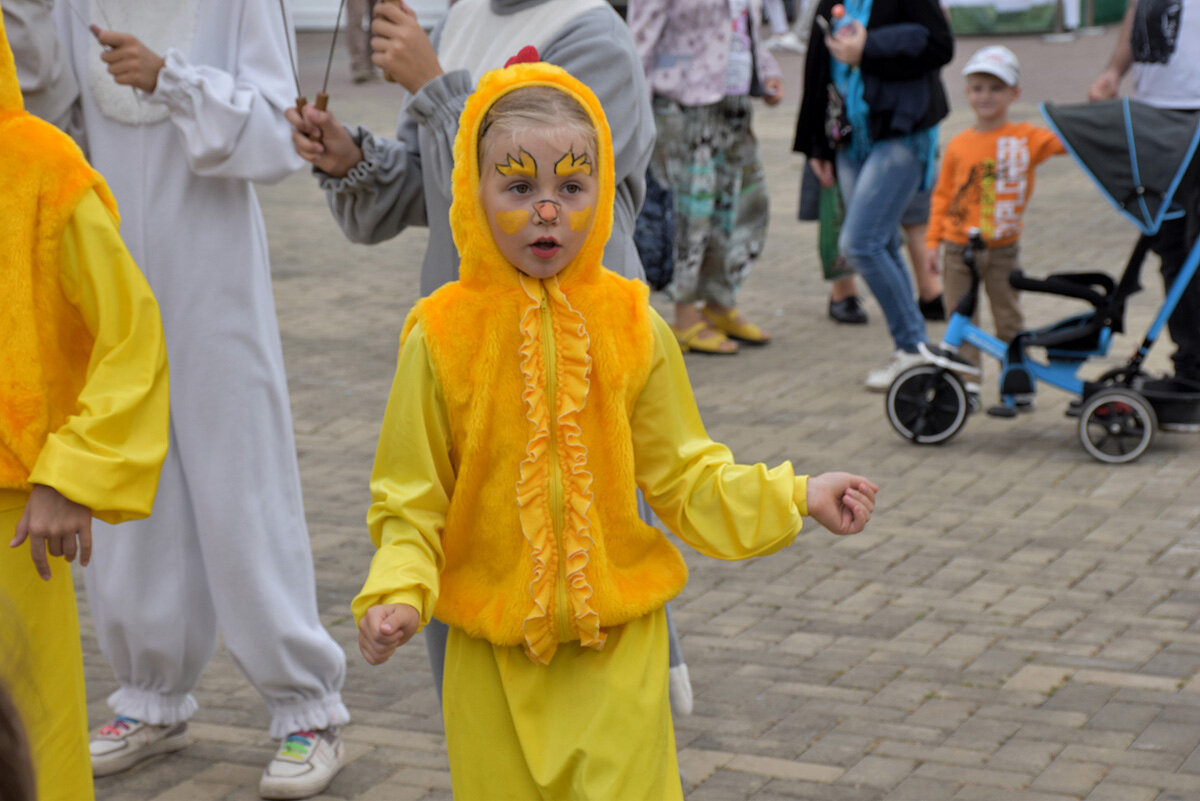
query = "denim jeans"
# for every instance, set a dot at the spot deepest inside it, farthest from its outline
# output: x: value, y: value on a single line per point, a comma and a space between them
x: 876, y: 192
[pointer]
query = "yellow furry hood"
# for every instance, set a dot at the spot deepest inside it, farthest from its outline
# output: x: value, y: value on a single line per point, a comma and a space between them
x: 10, y: 88
x: 481, y: 261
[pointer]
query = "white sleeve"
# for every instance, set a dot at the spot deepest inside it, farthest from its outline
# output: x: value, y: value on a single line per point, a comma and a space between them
x: 232, y: 122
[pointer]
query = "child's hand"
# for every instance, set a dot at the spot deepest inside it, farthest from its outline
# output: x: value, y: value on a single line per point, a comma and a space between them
x: 385, y: 628
x: 1105, y: 87
x: 931, y: 261
x: 773, y: 88
x: 401, y: 48
x: 841, y: 502
x: 823, y: 169
x: 129, y: 61
x: 322, y: 141
x: 52, y: 522
x: 847, y: 43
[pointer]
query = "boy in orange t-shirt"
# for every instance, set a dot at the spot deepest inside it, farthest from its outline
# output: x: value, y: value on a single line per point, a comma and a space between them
x: 986, y: 179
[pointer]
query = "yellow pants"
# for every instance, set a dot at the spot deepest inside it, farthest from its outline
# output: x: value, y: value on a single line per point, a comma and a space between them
x: 590, y: 725
x: 41, y: 661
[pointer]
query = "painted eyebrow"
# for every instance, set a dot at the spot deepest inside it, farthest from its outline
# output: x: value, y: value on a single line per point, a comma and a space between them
x: 570, y: 164
x: 524, y: 164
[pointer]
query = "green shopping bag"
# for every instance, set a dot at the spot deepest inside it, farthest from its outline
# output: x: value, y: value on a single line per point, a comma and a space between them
x: 830, y: 214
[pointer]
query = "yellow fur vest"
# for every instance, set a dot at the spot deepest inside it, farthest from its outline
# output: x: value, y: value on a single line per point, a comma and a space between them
x: 542, y: 539
x: 46, y: 345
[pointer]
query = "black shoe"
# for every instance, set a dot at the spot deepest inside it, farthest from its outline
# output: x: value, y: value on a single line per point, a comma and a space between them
x: 932, y: 309
x: 848, y: 310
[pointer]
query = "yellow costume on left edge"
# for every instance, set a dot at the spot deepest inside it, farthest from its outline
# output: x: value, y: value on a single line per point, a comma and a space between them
x: 83, y: 409
x: 523, y: 415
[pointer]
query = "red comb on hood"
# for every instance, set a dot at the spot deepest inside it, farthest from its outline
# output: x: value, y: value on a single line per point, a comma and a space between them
x: 526, y: 55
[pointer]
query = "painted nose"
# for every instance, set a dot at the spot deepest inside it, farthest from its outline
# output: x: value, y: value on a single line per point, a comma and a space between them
x: 546, y: 210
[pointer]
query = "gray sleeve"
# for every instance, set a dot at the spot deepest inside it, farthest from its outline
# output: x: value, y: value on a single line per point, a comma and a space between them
x: 47, y: 83
x: 597, y: 48
x: 385, y: 192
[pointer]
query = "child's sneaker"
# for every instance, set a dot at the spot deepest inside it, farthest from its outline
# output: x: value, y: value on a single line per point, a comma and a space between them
x: 304, y: 765
x: 681, y: 690
x: 126, y: 741
x: 974, y: 396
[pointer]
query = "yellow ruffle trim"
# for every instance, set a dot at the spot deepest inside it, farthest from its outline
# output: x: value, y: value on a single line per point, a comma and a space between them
x: 536, y: 514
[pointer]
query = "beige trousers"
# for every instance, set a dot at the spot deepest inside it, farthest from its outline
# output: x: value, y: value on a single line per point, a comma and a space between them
x: 995, y: 265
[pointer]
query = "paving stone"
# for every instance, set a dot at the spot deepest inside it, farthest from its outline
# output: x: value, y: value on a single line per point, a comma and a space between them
x: 1038, y: 678
x: 1111, y: 791
x: 918, y: 789
x: 1064, y: 776
x: 980, y: 793
x: 1177, y: 738
x: 1026, y: 755
x: 1004, y: 779
x: 842, y: 750
x: 877, y: 771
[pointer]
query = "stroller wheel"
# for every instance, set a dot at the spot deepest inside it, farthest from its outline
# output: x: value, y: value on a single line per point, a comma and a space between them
x: 927, y: 404
x: 1116, y: 425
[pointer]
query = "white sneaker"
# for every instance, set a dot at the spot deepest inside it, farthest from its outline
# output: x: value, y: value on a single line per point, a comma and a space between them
x: 974, y: 395
x: 879, y: 380
x: 125, y: 742
x: 304, y: 765
x: 786, y: 41
x: 681, y: 690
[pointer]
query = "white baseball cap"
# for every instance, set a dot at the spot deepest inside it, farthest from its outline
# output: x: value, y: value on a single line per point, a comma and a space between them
x: 996, y: 60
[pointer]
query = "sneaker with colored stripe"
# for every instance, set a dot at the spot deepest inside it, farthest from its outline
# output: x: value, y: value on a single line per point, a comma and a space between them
x: 126, y: 741
x: 304, y: 765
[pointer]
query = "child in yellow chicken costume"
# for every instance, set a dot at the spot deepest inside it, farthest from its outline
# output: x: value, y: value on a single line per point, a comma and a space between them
x: 83, y: 418
x: 530, y: 398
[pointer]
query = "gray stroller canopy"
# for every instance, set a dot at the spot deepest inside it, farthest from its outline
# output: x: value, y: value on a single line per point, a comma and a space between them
x: 1137, y: 154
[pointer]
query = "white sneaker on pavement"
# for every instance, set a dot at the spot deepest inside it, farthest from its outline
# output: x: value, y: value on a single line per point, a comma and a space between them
x: 681, y: 690
x: 786, y: 41
x: 880, y: 379
x: 126, y: 741
x: 304, y: 765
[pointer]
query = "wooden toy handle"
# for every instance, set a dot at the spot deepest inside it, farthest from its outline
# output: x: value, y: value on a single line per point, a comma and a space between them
x: 322, y: 101
x: 301, y: 102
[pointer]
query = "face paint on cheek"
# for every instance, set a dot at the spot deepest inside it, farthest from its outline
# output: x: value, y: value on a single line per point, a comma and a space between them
x: 579, y: 220
x: 512, y: 221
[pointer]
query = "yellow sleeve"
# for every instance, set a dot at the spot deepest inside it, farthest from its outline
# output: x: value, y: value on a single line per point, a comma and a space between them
x: 720, y: 508
x: 107, y: 456
x: 411, y: 485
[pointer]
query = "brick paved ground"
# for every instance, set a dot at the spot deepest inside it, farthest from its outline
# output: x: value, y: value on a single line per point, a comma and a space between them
x: 1017, y: 622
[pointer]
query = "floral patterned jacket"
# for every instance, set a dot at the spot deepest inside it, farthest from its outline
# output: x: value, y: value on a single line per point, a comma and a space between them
x: 684, y: 46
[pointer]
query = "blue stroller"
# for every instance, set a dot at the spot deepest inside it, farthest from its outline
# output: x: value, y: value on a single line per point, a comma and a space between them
x: 1141, y: 157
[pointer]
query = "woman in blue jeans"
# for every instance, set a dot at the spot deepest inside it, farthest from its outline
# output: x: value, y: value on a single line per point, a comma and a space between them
x: 884, y: 59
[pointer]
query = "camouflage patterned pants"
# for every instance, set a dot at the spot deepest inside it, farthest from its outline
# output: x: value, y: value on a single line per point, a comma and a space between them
x: 709, y: 157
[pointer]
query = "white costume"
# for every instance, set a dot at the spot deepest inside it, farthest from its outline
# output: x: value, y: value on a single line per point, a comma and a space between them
x: 227, y: 547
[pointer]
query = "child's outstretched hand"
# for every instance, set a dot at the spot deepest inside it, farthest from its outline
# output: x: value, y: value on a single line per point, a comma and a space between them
x: 385, y: 628
x: 841, y: 502
x: 51, y: 523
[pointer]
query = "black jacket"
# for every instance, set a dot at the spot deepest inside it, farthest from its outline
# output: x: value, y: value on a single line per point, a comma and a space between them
x: 908, y: 42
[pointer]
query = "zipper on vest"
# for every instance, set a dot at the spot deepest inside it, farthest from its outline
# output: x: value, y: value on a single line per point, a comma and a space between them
x: 562, y: 610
